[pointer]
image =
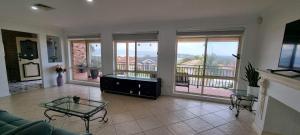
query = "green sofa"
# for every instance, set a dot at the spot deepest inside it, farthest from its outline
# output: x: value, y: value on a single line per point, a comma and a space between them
x: 12, y: 125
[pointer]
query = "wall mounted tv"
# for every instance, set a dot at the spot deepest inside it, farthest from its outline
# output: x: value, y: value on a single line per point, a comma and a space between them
x: 290, y: 51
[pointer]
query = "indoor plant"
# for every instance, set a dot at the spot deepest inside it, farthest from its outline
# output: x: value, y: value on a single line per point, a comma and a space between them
x: 82, y: 66
x: 94, y: 73
x: 59, y: 70
x: 252, y: 76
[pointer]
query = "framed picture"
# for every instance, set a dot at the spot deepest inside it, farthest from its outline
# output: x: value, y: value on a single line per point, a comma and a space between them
x: 54, y: 49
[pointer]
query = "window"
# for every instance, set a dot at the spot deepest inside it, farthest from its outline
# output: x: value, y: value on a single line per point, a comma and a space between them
x: 86, y: 60
x: 137, y: 56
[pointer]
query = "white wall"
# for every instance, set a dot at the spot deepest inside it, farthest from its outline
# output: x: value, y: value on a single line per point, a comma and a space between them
x: 4, y: 91
x: 48, y: 72
x: 281, y: 100
x: 271, y: 33
x: 167, y: 42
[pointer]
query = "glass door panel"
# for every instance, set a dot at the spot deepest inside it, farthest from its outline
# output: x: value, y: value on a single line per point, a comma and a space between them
x: 121, y: 57
x: 79, y: 60
x: 94, y: 61
x: 95, y: 55
x: 220, y: 66
x: 131, y: 58
x: 147, y: 59
x: 189, y: 67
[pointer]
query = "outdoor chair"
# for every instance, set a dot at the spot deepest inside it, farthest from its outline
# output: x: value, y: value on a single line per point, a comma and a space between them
x: 182, y: 79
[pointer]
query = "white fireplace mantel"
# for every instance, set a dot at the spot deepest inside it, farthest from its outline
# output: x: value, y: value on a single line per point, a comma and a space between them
x: 278, y: 104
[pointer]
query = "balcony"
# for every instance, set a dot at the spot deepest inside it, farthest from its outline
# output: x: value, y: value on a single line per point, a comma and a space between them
x: 212, y: 80
x: 215, y: 82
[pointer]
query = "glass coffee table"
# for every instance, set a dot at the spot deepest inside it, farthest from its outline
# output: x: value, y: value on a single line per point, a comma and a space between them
x: 240, y: 99
x: 82, y: 108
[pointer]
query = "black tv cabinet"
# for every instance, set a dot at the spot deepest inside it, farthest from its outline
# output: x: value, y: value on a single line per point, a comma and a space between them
x: 141, y: 87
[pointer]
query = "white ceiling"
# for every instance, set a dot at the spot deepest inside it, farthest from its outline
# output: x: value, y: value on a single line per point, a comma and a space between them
x: 69, y: 14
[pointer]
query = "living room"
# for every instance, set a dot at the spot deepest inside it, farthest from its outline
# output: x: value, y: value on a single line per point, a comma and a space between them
x: 149, y: 67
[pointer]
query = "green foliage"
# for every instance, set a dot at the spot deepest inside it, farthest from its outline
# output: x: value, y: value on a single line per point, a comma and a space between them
x: 252, y: 76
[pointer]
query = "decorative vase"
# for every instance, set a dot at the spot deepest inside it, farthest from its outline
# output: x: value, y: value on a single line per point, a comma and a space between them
x: 254, y: 91
x: 59, y: 79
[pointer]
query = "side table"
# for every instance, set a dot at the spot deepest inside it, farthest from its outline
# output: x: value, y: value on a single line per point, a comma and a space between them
x: 241, y: 100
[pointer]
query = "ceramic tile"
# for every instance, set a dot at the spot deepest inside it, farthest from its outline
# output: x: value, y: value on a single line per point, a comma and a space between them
x: 159, y: 131
x: 130, y: 115
x: 149, y: 123
x: 181, y: 128
x: 128, y: 128
x: 198, y: 124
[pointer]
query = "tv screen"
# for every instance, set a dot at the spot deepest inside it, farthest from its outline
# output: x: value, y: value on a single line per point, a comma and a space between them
x: 290, y: 51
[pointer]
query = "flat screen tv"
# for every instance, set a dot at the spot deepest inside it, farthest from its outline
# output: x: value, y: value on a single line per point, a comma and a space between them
x: 290, y: 51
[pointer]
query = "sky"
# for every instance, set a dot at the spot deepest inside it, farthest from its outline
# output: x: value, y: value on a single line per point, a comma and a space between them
x: 218, y: 48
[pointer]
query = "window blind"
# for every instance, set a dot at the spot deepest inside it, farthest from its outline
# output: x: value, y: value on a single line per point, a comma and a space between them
x: 210, y: 33
x: 135, y: 36
x: 83, y: 37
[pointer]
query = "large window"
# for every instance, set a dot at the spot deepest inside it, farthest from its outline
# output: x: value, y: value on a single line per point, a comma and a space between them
x: 136, y: 58
x: 206, y: 64
x: 86, y: 60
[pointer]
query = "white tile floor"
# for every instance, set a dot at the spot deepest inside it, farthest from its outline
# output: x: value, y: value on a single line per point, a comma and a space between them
x: 131, y: 115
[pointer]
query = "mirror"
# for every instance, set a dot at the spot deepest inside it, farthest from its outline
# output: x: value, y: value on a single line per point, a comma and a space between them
x: 54, y: 49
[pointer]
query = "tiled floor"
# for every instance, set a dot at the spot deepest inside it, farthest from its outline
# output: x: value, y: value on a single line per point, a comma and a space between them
x: 131, y: 115
x: 15, y: 87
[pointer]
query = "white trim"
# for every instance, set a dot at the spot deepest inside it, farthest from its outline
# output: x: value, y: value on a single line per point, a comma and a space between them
x: 202, y: 97
x: 85, y: 83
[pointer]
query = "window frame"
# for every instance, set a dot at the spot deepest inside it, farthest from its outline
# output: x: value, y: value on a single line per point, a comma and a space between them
x: 135, y: 71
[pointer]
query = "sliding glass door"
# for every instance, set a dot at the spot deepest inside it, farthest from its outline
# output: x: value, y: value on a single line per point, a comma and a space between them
x: 86, y: 60
x: 206, y: 65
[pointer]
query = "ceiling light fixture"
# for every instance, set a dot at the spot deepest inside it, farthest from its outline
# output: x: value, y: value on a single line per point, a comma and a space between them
x: 41, y: 7
x: 34, y: 8
x: 90, y: 1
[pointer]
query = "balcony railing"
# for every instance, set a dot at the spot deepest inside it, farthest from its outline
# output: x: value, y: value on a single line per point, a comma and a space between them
x: 215, y: 76
x: 142, y: 70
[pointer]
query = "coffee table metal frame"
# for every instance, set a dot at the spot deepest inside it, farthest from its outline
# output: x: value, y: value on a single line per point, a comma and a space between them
x: 85, y: 116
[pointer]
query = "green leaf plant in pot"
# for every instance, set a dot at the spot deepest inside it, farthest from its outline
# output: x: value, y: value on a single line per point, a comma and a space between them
x: 252, y: 76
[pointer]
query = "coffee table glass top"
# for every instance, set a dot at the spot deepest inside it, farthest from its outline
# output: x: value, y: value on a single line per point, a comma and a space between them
x: 242, y: 94
x: 83, y: 107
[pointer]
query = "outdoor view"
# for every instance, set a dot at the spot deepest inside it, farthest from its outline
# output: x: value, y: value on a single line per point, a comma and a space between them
x: 136, y: 59
x: 209, y: 74
x: 86, y: 60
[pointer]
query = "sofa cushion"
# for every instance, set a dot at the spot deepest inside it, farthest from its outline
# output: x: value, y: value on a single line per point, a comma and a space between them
x: 5, y: 127
x: 11, y: 119
x: 34, y: 128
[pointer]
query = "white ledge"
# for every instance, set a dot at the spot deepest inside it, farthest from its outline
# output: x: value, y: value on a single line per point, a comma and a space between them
x: 290, y: 82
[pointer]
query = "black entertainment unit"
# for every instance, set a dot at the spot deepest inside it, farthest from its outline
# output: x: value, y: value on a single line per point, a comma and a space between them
x: 141, y: 87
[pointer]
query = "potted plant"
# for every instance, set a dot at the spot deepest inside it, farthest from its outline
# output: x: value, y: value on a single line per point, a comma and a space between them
x: 94, y: 73
x: 59, y: 70
x: 82, y: 66
x: 252, y: 76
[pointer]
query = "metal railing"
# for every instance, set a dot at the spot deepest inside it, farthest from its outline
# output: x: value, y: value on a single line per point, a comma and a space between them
x: 215, y: 76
